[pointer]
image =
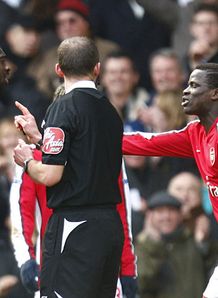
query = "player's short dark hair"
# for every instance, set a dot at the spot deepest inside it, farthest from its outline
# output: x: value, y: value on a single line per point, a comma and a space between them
x: 212, y: 73
x: 77, y: 56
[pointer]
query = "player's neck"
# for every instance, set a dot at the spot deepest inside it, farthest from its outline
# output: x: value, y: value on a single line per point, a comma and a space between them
x: 208, y: 121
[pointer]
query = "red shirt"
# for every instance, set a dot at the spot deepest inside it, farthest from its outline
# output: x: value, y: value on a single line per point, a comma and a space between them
x: 192, y: 141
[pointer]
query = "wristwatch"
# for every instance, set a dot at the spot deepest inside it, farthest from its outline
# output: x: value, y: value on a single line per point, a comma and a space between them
x: 26, y: 161
x: 39, y: 144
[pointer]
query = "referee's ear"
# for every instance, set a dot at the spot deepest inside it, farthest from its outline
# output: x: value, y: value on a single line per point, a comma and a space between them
x: 96, y: 70
x: 58, y: 71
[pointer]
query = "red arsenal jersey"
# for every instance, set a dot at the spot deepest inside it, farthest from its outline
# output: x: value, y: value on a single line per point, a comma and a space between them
x: 192, y: 141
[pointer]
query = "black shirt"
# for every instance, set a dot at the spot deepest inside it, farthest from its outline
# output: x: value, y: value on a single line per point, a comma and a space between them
x: 84, y: 132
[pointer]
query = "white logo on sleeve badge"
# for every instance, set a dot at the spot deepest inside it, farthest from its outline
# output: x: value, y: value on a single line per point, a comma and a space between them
x: 53, y: 141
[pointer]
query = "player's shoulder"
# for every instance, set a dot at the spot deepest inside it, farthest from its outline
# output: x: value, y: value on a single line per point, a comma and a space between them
x: 192, y: 125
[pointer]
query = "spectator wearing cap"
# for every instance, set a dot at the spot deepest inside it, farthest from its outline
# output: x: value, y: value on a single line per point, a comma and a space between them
x: 71, y: 19
x: 169, y: 264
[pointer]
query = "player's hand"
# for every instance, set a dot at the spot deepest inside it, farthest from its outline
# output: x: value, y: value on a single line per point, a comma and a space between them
x: 29, y: 273
x: 129, y: 286
x: 202, y: 228
x: 27, y: 123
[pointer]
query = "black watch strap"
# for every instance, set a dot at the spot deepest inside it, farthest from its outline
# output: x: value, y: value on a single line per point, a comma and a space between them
x: 26, y: 164
x: 39, y: 144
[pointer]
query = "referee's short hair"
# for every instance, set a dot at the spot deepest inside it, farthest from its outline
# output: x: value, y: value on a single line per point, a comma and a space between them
x: 77, y: 56
x: 211, y: 73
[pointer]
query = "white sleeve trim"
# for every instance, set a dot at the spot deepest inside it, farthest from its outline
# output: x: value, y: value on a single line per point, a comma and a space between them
x: 21, y: 249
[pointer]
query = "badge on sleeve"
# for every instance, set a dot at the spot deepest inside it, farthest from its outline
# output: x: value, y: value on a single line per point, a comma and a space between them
x: 212, y: 156
x: 53, y: 141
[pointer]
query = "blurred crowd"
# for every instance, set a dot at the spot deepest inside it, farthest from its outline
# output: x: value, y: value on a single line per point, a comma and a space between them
x: 147, y: 50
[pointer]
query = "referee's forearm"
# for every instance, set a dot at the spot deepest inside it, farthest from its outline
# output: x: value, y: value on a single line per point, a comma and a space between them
x: 37, y: 171
x: 48, y: 175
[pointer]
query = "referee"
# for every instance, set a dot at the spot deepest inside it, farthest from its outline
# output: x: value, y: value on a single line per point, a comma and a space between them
x: 81, y: 163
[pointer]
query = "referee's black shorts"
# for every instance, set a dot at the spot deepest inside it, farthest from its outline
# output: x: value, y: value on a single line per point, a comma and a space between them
x: 81, y: 254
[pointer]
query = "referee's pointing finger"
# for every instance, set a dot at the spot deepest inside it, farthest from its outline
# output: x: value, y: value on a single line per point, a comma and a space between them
x: 22, y: 108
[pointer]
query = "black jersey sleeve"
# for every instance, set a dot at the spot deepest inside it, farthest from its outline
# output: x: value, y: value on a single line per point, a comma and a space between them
x: 59, y: 131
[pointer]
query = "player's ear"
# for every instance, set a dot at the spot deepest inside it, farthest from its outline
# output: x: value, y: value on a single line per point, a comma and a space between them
x: 58, y: 70
x: 214, y: 94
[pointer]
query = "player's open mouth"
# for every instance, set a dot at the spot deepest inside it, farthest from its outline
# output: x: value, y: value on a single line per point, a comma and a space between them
x: 185, y: 102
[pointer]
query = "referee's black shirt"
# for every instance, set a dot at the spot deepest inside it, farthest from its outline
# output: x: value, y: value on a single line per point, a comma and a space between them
x: 84, y: 132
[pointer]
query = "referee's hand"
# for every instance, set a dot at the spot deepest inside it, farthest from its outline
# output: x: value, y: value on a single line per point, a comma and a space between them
x: 27, y: 123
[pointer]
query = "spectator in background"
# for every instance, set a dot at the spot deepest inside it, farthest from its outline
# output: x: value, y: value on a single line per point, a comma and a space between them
x: 188, y: 189
x: 71, y: 19
x: 7, y: 14
x: 9, y: 136
x: 166, y: 73
x: 136, y: 31
x: 167, y: 112
x: 169, y: 263
x: 22, y: 41
x: 119, y: 80
x: 41, y: 11
x: 178, y: 19
x: 4, y: 78
x: 204, y: 30
x: 4, y: 159
x: 161, y: 10
x: 4, y: 68
x: 168, y: 77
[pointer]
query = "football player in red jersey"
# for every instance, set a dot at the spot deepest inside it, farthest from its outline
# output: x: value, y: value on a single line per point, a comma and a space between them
x: 198, y: 140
